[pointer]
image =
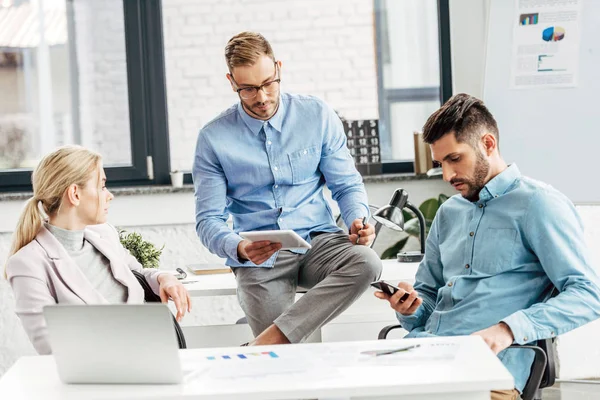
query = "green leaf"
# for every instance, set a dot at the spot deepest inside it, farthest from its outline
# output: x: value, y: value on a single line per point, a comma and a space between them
x: 442, y: 198
x: 408, y: 215
x: 429, y: 207
x: 144, y: 252
x: 413, y: 227
x: 392, y: 251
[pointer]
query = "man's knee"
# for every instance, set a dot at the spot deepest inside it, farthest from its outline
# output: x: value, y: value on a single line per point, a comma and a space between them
x: 367, y: 264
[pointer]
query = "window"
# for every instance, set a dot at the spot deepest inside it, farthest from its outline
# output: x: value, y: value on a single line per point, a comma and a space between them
x: 414, y: 75
x: 85, y: 79
x: 99, y: 74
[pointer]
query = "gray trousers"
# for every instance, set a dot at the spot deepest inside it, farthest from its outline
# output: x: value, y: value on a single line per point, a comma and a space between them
x: 335, y: 271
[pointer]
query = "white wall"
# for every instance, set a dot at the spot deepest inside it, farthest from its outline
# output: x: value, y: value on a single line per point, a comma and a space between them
x: 327, y: 49
x: 468, y: 31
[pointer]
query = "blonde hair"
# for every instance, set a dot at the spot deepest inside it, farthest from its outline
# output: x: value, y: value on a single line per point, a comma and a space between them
x: 245, y: 48
x: 51, y: 178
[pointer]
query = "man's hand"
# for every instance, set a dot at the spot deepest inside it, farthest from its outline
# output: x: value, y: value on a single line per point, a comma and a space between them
x: 498, y: 337
x: 171, y: 288
x: 257, y: 252
x: 364, y: 234
x: 406, y: 307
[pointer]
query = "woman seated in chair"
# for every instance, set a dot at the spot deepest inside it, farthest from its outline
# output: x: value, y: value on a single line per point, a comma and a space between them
x: 69, y: 254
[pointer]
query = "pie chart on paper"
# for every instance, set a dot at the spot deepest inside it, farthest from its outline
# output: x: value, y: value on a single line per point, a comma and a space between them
x: 553, y: 34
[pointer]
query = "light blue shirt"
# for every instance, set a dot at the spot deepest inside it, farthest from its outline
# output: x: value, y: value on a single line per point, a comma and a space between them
x: 270, y: 175
x: 498, y: 259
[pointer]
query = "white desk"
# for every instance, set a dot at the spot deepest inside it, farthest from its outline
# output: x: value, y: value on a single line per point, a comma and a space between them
x: 325, y: 371
x: 361, y: 321
x: 225, y: 285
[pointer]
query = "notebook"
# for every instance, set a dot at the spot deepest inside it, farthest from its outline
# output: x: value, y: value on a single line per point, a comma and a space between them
x: 208, y: 268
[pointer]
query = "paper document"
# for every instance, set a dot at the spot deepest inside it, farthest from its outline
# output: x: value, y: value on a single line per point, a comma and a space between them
x: 545, y: 49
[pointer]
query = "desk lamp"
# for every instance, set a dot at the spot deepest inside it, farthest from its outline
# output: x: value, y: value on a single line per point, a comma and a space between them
x: 391, y: 216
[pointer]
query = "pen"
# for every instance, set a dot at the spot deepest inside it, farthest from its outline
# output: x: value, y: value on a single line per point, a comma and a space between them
x: 364, y: 221
x: 383, y: 353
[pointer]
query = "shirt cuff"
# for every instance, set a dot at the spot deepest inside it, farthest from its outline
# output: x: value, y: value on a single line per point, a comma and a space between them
x: 522, y: 329
x: 410, y: 322
x: 230, y: 246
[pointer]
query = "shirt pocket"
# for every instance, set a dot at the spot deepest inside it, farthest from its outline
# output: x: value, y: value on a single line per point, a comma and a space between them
x: 495, y: 250
x: 304, y: 163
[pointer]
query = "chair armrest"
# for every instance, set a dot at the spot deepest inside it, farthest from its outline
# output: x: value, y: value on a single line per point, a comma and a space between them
x: 384, y: 332
x: 537, y: 370
x: 151, y: 297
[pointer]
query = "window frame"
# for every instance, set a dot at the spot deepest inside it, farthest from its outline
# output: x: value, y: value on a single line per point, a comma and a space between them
x: 149, y: 136
x: 387, y: 97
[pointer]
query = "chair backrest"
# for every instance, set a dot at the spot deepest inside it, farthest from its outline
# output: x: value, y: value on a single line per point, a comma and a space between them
x: 151, y: 297
x: 549, y: 376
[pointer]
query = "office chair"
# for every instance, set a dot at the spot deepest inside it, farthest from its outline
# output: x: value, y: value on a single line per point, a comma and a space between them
x: 543, y: 369
x: 151, y: 297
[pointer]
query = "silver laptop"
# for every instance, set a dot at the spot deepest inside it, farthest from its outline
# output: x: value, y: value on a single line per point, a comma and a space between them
x: 118, y: 343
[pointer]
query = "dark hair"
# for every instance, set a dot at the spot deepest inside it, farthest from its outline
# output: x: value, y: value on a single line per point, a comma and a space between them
x: 464, y: 115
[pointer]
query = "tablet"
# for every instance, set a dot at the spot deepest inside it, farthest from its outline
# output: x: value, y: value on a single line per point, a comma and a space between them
x: 288, y: 238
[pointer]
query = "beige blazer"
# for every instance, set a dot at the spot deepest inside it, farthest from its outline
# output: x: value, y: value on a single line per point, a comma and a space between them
x: 42, y: 273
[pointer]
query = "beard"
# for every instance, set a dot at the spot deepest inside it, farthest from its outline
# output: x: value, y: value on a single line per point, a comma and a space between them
x: 254, y: 111
x: 474, y: 185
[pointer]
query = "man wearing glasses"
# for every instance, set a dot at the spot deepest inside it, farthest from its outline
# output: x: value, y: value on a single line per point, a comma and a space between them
x: 265, y: 162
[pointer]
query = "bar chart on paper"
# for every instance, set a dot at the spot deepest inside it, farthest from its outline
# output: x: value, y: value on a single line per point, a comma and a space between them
x: 244, y: 356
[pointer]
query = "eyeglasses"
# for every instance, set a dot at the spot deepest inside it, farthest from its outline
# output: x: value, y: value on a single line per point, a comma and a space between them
x: 250, y: 92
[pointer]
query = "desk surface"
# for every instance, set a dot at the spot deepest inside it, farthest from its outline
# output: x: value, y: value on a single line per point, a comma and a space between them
x: 316, y: 370
x: 225, y: 285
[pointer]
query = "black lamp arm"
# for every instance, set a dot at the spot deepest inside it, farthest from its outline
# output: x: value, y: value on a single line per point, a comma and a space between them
x: 419, y: 215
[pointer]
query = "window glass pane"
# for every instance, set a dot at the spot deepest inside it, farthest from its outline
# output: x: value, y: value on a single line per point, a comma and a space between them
x: 327, y: 49
x: 64, y: 84
x: 410, y: 47
x: 407, y: 118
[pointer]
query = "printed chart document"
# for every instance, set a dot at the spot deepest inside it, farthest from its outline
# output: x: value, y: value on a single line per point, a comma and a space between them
x: 545, y: 48
x: 313, y: 363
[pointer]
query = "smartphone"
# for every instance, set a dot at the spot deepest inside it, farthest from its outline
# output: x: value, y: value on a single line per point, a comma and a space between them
x: 389, y: 289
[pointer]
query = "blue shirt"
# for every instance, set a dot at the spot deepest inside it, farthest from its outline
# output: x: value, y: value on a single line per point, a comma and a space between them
x: 498, y: 259
x: 270, y: 175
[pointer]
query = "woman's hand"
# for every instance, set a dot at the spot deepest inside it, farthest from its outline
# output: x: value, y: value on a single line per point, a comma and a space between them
x: 171, y: 288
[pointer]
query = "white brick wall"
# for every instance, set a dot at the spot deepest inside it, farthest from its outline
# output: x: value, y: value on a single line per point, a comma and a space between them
x: 327, y: 50
x: 104, y: 102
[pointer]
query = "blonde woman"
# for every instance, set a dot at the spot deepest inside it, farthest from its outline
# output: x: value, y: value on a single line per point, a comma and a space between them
x: 68, y: 254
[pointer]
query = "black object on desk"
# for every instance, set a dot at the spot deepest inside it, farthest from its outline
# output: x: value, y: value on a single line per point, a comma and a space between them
x: 391, y: 216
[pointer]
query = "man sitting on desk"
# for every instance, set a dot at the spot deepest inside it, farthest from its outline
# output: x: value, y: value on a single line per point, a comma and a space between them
x: 496, y: 252
x: 265, y: 161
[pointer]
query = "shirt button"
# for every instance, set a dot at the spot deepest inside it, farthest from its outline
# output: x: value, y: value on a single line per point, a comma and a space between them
x: 470, y: 233
x: 268, y: 142
x: 275, y: 169
x: 280, y: 219
x: 467, y: 266
x: 525, y: 339
x: 276, y: 186
x: 450, y: 284
x: 305, y: 151
x: 481, y: 206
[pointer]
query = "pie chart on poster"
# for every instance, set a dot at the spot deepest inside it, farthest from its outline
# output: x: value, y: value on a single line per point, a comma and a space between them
x: 553, y: 34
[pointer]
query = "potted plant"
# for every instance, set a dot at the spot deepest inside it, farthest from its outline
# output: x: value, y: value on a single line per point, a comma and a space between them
x: 145, y: 252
